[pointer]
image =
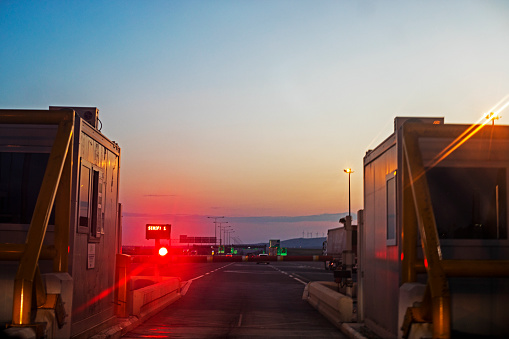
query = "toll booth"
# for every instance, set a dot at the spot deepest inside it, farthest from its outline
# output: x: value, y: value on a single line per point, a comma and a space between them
x: 434, y: 246
x: 59, y: 221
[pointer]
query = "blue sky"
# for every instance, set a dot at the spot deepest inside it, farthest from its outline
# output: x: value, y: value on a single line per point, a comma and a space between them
x: 252, y: 108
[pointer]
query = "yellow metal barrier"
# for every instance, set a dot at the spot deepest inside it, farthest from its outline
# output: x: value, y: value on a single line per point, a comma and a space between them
x: 437, y: 280
x: 418, y: 215
x: 56, y: 185
x: 15, y: 251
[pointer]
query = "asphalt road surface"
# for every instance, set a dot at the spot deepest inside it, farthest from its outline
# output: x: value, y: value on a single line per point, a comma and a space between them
x: 235, y: 300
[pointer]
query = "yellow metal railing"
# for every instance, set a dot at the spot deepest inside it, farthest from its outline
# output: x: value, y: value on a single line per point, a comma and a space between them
x: 418, y: 216
x: 55, y: 190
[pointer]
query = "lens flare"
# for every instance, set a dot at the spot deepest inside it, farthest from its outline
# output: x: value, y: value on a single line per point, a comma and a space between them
x: 472, y: 130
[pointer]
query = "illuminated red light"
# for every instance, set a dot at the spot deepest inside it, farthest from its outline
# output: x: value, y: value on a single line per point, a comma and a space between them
x: 425, y: 263
x: 163, y: 251
x: 402, y: 256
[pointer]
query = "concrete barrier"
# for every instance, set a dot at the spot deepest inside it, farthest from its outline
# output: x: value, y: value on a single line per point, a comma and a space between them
x: 154, y: 296
x: 147, y: 301
x: 324, y: 296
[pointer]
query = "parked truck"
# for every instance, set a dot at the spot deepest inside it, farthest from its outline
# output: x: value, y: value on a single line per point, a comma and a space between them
x: 336, y: 244
x: 274, y: 246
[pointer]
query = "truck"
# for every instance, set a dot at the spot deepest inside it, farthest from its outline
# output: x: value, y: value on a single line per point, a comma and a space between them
x: 336, y: 244
x: 274, y: 246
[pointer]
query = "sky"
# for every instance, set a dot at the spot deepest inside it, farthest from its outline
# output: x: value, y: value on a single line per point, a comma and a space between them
x: 251, y: 109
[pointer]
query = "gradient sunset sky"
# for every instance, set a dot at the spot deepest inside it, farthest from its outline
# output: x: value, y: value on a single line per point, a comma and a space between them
x: 251, y: 108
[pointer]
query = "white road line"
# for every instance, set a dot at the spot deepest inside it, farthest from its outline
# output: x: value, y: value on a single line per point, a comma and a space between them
x: 186, y: 287
x: 201, y: 276
x: 290, y: 276
x: 299, y: 276
x: 240, y: 320
x: 196, y: 278
x: 302, y: 282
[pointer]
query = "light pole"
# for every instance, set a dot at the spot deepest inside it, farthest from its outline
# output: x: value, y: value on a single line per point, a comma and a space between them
x: 220, y: 233
x: 228, y: 233
x: 230, y: 236
x: 215, y: 228
x: 349, y: 171
x: 226, y: 229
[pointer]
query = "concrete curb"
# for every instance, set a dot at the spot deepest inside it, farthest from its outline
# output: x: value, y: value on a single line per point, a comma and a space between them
x: 336, y: 307
x: 352, y: 331
x: 125, y: 325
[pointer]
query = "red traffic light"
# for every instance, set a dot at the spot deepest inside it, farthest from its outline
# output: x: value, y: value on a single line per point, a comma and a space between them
x: 163, y: 251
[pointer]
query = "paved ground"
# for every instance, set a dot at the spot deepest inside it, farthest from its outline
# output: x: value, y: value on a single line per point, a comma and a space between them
x: 232, y: 300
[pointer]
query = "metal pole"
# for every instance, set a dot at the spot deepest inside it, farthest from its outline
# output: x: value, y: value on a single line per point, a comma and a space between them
x: 215, y: 227
x: 220, y: 232
x: 349, y: 171
x: 349, y: 202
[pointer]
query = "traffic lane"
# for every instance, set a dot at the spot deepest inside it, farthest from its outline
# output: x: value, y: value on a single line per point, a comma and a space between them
x: 305, y: 271
x: 240, y: 300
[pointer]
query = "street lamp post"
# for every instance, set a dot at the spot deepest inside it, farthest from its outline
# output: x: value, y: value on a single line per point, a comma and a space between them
x: 349, y: 171
x: 230, y: 236
x: 215, y: 227
x: 348, y: 254
x: 227, y: 231
x: 220, y: 233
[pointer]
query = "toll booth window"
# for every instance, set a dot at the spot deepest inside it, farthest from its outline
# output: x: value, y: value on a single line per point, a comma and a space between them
x: 21, y: 176
x: 469, y: 203
x: 391, y: 209
x: 96, y: 221
x: 84, y: 202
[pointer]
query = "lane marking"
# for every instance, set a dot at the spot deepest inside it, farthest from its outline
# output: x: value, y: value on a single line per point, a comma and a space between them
x: 240, y: 320
x: 196, y: 278
x: 190, y: 281
x: 186, y: 287
x: 302, y: 282
x: 299, y: 276
x: 249, y: 272
x: 290, y: 276
x: 201, y: 276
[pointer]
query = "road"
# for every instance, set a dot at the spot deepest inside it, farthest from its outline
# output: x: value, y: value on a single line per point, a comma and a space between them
x: 235, y: 300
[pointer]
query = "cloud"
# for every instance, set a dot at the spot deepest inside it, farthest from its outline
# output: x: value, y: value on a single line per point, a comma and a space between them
x: 159, y: 195
x: 333, y: 217
x: 309, y: 218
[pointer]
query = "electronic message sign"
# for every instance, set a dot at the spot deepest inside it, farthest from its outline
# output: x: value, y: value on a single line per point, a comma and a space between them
x: 158, y: 231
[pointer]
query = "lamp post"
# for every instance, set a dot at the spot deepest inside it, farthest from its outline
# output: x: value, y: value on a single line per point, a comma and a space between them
x: 227, y: 232
x: 349, y: 171
x: 348, y: 255
x: 220, y: 233
x: 230, y: 237
x: 215, y: 228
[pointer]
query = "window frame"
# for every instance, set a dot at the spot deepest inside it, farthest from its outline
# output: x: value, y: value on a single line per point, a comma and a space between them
x: 391, y: 226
